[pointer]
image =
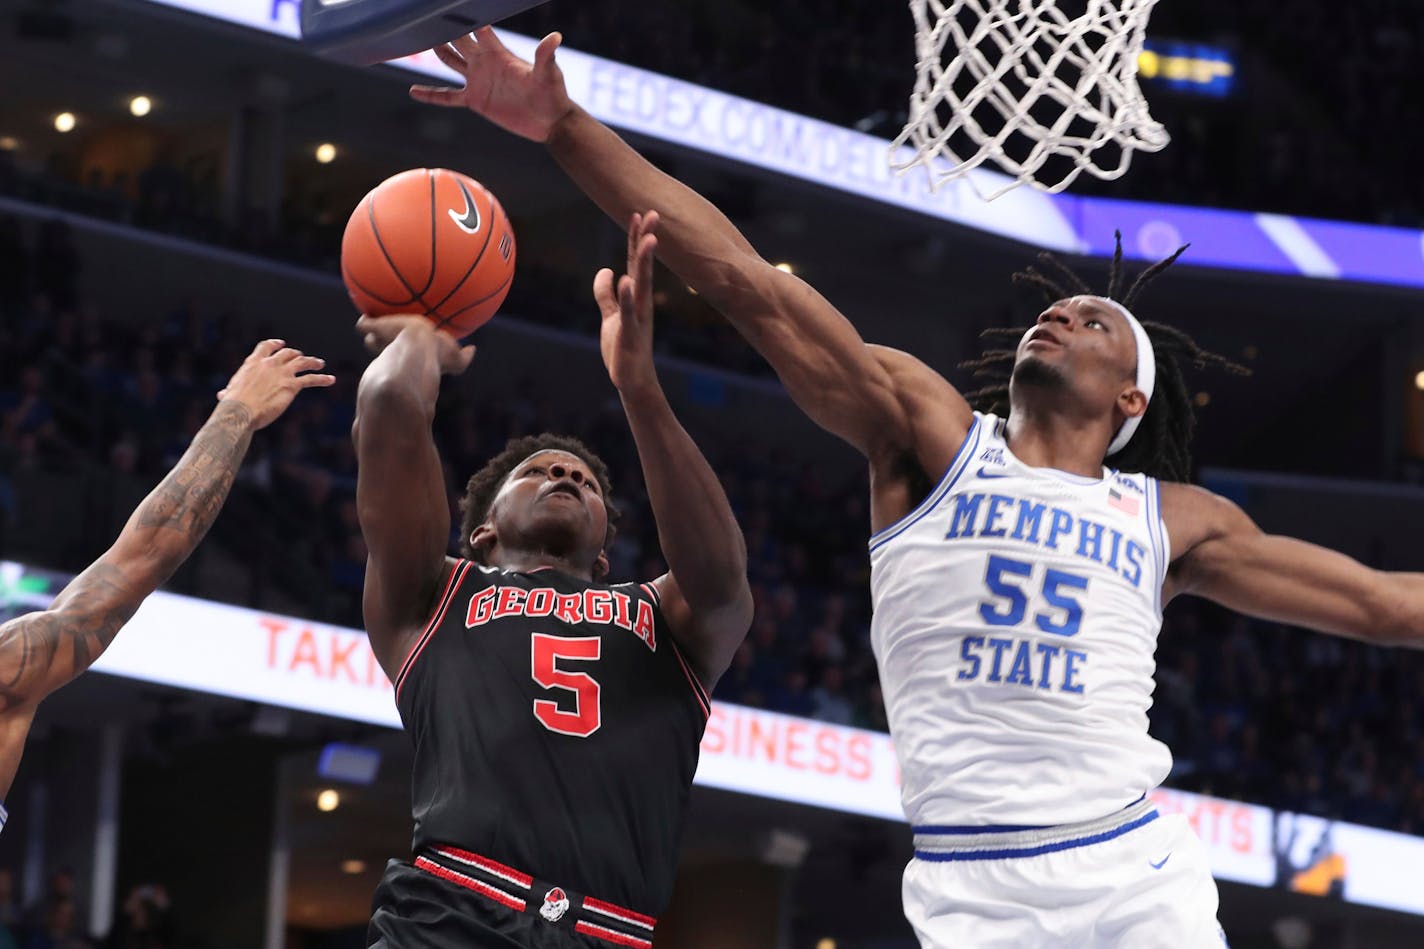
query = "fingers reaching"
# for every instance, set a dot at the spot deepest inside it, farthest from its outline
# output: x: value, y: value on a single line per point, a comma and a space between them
x: 466, y: 45
x: 603, y: 292
x: 438, y: 95
x: 485, y: 36
x: 628, y: 295
x: 314, y: 380
x: 643, y: 274
x: 642, y: 225
x: 544, y: 53
x: 267, y: 347
x: 450, y: 56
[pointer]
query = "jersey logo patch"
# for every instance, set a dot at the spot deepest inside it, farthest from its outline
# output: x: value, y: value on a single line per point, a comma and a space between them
x: 556, y: 904
x: 992, y: 456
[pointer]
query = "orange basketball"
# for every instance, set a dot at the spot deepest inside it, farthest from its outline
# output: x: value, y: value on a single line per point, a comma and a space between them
x: 429, y: 241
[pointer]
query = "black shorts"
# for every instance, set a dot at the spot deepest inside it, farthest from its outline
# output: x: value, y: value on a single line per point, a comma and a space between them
x: 417, y: 909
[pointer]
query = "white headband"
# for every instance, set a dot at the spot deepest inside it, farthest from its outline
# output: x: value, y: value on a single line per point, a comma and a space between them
x: 1146, y: 376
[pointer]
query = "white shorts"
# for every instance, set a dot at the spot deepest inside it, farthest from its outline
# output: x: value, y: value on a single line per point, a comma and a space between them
x: 1135, y: 880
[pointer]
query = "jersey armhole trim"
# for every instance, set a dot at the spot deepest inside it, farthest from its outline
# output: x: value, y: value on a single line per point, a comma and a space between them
x: 1157, y: 530
x: 703, y: 700
x: 451, y: 586
x: 946, y: 482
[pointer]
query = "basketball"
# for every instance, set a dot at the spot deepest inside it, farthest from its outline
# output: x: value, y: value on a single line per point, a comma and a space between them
x: 429, y: 241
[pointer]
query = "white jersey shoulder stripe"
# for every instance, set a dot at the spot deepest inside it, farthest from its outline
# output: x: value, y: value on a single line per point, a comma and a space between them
x: 946, y: 483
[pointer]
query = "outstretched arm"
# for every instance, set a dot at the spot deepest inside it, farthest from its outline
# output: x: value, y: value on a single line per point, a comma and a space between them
x: 705, y: 596
x: 400, y: 486
x: 1226, y: 558
x: 39, y: 652
x: 815, y: 350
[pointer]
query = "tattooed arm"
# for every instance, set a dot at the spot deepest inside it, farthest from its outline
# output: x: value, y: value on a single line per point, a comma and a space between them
x: 40, y: 652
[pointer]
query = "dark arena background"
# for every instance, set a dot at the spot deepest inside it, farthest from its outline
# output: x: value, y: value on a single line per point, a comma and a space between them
x: 175, y: 176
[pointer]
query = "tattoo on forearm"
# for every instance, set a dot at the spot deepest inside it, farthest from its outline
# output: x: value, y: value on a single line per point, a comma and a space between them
x: 40, y: 651
x: 96, y: 606
x: 188, y: 500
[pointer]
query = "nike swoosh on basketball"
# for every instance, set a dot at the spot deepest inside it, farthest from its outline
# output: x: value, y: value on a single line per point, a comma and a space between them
x: 469, y: 222
x: 985, y: 473
x: 1161, y: 863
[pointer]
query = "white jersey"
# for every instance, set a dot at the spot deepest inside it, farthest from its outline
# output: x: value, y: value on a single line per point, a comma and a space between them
x: 1016, y: 617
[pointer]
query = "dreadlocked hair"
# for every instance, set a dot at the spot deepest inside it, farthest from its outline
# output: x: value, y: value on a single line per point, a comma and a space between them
x: 1161, y: 447
x: 485, y: 483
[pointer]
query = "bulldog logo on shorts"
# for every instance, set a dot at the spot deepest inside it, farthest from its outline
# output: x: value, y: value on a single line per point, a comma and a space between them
x: 556, y: 904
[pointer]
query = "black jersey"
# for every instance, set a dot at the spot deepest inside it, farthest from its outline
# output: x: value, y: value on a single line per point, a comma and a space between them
x: 556, y: 729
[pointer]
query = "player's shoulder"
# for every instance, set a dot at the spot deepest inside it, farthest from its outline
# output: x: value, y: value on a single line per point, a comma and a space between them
x: 913, y: 371
x: 652, y: 590
x: 938, y: 416
x: 1193, y: 514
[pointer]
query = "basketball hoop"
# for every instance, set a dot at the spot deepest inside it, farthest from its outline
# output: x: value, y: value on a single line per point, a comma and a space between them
x: 1027, y: 83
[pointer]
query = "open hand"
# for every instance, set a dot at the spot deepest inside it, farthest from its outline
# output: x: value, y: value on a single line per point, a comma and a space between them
x: 268, y: 380
x: 378, y: 332
x: 520, y: 97
x: 626, y: 337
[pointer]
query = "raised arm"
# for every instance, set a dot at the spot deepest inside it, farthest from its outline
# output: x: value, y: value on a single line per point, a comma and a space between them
x: 705, y: 596
x: 400, y: 486
x: 818, y: 354
x: 39, y: 652
x: 1226, y: 558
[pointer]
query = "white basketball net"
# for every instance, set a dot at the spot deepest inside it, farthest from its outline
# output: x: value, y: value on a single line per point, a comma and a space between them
x: 1027, y: 83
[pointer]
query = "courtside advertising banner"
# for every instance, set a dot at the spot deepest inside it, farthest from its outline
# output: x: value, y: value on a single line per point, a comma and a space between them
x: 1321, y: 857
x: 798, y: 759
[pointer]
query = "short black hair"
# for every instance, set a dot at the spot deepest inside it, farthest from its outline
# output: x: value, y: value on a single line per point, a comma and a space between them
x: 1161, y: 447
x: 485, y: 483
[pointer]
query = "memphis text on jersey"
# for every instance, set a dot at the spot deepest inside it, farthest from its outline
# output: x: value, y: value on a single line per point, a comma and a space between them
x: 1036, y: 526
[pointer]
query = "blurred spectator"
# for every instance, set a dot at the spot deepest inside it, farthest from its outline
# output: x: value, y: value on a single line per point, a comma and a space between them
x: 145, y: 922
x: 59, y: 928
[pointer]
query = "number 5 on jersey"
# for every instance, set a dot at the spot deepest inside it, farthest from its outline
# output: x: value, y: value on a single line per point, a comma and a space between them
x: 586, y: 715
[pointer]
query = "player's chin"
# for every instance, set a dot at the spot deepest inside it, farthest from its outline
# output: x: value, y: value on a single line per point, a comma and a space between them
x: 1033, y: 369
x: 564, y: 523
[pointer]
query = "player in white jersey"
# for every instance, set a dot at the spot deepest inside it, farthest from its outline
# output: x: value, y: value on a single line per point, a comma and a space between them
x: 41, y: 651
x: 1020, y: 561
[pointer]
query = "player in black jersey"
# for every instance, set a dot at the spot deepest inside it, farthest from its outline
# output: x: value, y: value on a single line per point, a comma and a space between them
x: 556, y: 718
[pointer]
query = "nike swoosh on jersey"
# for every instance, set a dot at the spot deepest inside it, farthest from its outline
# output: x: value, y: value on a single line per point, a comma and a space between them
x: 985, y: 473
x: 1161, y: 863
x: 469, y: 221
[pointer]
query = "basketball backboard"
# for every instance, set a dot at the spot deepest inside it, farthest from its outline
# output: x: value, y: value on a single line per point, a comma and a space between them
x: 374, y: 31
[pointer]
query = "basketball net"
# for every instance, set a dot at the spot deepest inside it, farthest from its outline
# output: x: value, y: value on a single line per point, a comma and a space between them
x: 1027, y: 83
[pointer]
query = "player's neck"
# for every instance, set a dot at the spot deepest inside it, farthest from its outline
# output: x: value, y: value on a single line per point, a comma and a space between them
x: 527, y: 561
x: 1046, y: 438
